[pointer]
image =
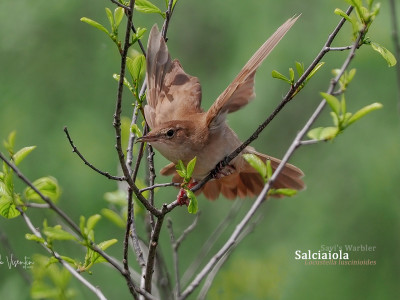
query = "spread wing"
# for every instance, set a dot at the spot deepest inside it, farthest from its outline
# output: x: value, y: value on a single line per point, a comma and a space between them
x: 241, y: 90
x: 170, y: 90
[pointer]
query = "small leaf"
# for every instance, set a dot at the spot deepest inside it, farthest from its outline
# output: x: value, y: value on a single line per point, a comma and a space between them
x: 291, y: 74
x: 113, y: 217
x: 256, y: 162
x: 82, y: 223
x: 193, y: 205
x: 95, y: 24
x: 146, y: 6
x: 10, y: 142
x: 323, y: 133
x: 138, y: 35
x: 180, y: 166
x: 136, y: 130
x: 333, y: 102
x: 276, y: 74
x: 315, y: 70
x: 136, y: 67
x: 190, y: 168
x: 118, y: 15
x: 21, y: 154
x: 343, y: 105
x: 57, y: 233
x: 92, y: 221
x: 299, y: 68
x: 363, y: 111
x: 7, y: 207
x: 110, y: 17
x: 126, y: 82
x: 32, y: 237
x: 284, y: 191
x: 341, y: 13
x: 48, y: 186
x: 117, y: 197
x: 104, y: 245
x: 385, y: 53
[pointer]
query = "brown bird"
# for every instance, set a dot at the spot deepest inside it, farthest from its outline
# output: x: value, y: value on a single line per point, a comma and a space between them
x: 181, y: 129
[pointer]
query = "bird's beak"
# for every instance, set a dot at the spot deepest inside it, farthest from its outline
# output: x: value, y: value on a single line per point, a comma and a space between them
x: 146, y: 138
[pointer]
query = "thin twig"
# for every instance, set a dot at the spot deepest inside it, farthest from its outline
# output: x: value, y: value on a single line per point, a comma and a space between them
x: 36, y: 205
x: 70, y: 269
x: 261, y: 198
x: 75, y: 150
x: 159, y: 185
x: 120, y: 4
x: 155, y: 235
x: 188, y: 230
x: 309, y: 142
x: 175, y: 258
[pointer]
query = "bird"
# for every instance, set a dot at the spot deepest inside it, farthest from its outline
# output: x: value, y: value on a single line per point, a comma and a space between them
x: 181, y: 130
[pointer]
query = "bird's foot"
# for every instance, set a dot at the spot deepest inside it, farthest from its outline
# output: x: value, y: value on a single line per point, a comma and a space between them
x: 221, y: 171
x: 182, y: 198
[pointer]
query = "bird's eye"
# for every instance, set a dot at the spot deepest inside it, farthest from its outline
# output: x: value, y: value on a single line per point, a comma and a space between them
x: 170, y: 133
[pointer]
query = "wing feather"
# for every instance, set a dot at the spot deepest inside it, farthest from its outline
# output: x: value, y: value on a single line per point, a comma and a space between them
x: 241, y: 90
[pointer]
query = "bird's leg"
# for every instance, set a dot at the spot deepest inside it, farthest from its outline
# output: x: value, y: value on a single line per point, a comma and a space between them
x: 182, y: 198
x: 222, y: 170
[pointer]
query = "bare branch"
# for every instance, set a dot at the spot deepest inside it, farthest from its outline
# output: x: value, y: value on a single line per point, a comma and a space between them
x: 159, y: 185
x: 75, y: 150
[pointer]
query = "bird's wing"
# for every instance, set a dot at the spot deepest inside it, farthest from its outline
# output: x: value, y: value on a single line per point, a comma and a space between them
x: 171, y: 92
x: 241, y: 90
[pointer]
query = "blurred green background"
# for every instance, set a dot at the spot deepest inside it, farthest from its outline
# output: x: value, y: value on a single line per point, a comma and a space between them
x: 57, y: 71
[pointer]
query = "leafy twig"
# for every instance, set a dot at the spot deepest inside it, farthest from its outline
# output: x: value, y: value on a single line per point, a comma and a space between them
x: 70, y: 269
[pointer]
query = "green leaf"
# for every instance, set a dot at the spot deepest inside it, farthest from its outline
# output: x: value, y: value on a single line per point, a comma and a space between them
x: 256, y: 162
x: 146, y: 6
x: 193, y: 205
x: 343, y: 107
x: 315, y: 70
x: 333, y: 102
x: 180, y: 167
x: 291, y: 74
x: 92, y: 221
x: 21, y: 154
x: 136, y: 67
x: 118, y: 15
x: 48, y: 186
x: 276, y: 74
x: 323, y: 133
x: 57, y: 233
x: 136, y: 130
x: 341, y: 13
x: 113, y: 217
x: 385, y: 53
x: 126, y: 82
x: 363, y: 111
x: 82, y: 223
x: 284, y: 191
x: 190, y: 168
x: 110, y: 17
x: 299, y: 68
x: 10, y: 142
x: 7, y: 207
x: 95, y: 24
x: 104, y: 245
x: 32, y: 237
x: 138, y: 35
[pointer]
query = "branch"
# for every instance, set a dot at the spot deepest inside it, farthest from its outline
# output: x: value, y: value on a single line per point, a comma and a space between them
x: 120, y: 5
x: 75, y: 150
x: 159, y: 185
